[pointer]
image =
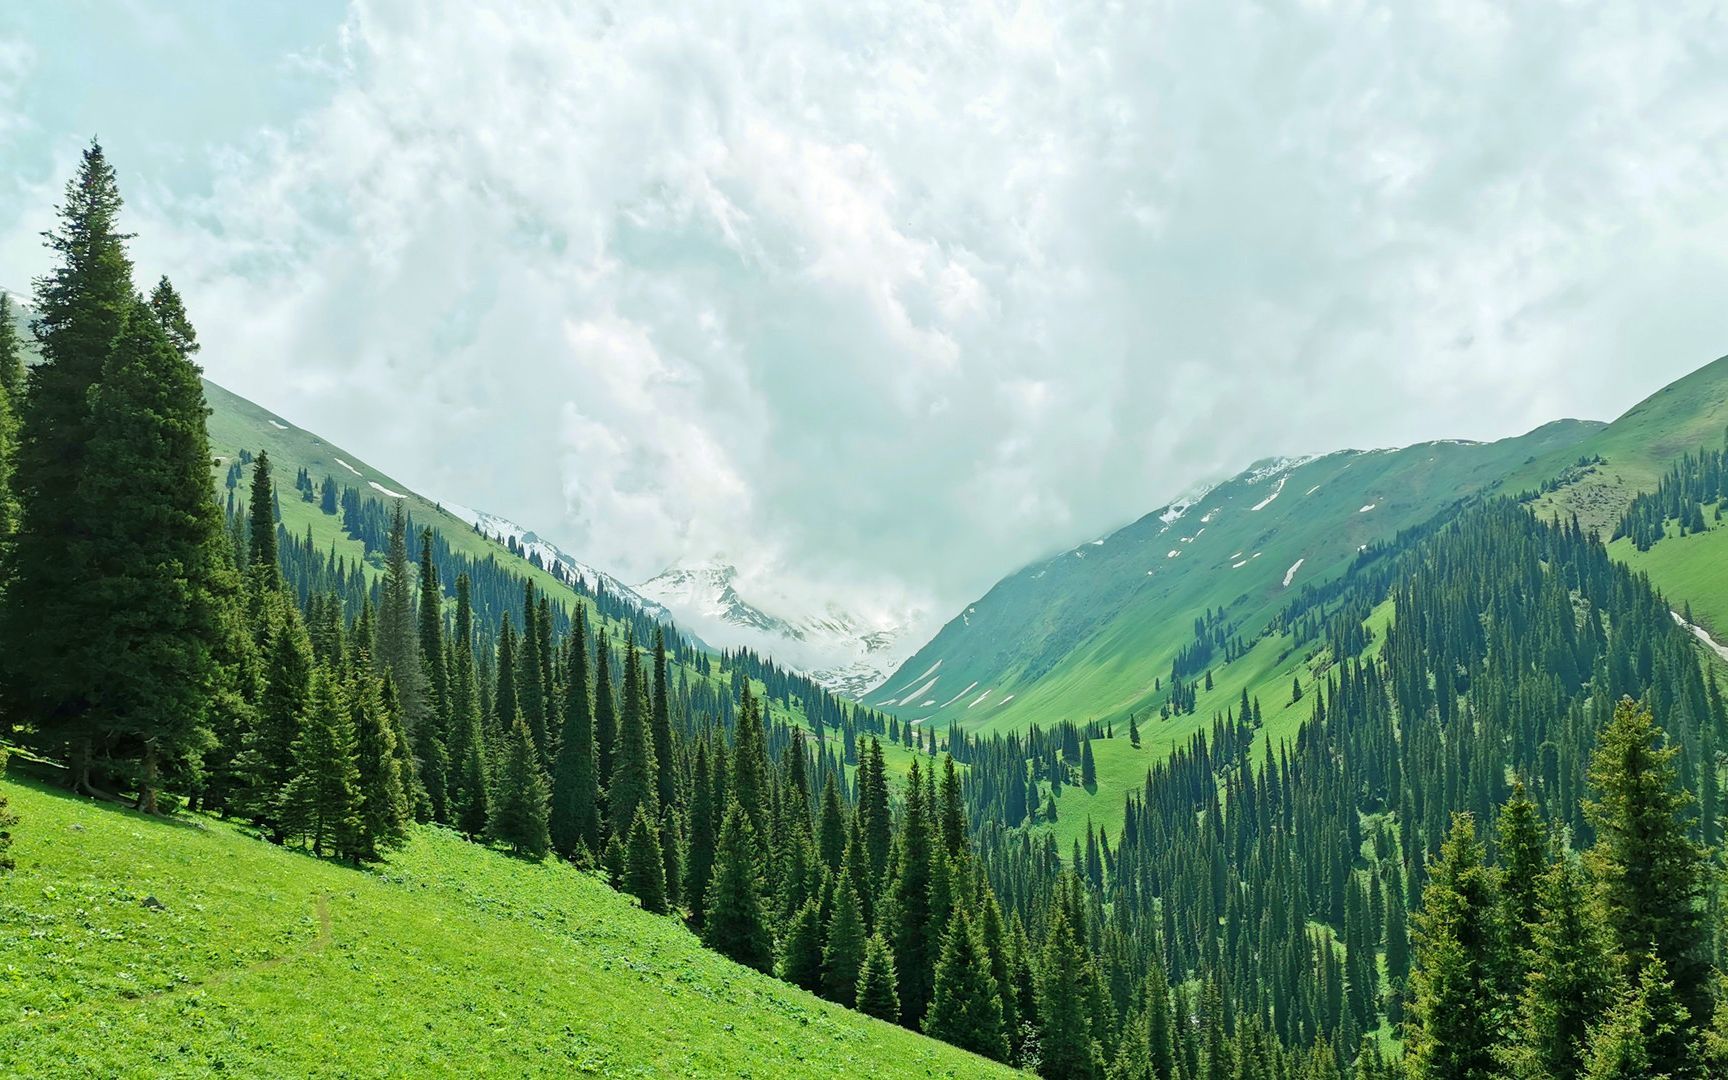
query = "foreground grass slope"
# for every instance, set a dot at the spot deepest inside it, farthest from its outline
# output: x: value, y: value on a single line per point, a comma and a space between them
x: 449, y: 960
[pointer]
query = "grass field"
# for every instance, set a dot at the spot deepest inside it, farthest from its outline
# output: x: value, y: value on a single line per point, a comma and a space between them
x: 132, y: 946
x: 1688, y: 570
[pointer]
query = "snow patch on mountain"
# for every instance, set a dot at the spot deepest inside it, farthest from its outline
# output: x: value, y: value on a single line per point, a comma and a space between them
x: 1185, y: 503
x: 503, y: 530
x: 1267, y: 501
x: 848, y: 652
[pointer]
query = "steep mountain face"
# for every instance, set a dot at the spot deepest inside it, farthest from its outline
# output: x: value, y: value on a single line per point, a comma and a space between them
x: 1095, y: 632
x: 846, y: 652
x: 238, y: 426
x: 542, y: 552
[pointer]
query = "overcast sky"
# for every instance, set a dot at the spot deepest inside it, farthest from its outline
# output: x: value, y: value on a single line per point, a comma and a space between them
x: 881, y: 299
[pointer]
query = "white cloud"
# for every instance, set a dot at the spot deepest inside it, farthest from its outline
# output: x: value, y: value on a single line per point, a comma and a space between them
x: 879, y: 300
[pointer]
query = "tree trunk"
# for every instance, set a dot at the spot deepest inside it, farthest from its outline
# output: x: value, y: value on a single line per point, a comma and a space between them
x: 78, y: 776
x: 147, y: 784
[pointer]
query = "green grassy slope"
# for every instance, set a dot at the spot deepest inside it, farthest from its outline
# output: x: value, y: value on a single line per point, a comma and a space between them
x: 1083, y: 635
x: 1636, y: 450
x: 238, y: 424
x: 449, y: 960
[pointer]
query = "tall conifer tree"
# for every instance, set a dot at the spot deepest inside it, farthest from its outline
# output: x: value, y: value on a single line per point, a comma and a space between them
x: 82, y: 305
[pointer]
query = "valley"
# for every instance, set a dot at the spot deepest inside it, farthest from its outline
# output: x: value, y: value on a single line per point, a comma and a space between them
x: 1396, y: 764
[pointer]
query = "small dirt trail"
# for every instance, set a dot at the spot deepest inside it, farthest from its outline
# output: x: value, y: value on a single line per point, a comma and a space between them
x: 1702, y: 635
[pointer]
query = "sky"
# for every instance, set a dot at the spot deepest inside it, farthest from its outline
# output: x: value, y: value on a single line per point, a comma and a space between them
x: 880, y: 300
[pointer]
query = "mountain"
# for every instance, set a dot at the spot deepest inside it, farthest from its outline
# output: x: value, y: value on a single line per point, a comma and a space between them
x: 202, y: 950
x: 544, y: 553
x: 846, y: 652
x: 1095, y: 631
x: 1602, y: 477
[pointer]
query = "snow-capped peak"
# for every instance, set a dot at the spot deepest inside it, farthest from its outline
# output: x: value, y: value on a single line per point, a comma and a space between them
x: 843, y: 650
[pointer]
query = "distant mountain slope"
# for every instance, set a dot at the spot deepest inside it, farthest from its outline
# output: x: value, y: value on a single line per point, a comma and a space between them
x: 846, y: 652
x: 237, y: 424
x: 251, y: 960
x: 538, y: 550
x: 1092, y: 633
x: 1631, y: 456
x: 1636, y: 450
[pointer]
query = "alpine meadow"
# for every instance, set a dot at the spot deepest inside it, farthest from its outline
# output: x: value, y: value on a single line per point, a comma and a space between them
x: 970, y: 646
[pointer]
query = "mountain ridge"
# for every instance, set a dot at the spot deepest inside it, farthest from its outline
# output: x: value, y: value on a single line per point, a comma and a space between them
x: 1086, y: 614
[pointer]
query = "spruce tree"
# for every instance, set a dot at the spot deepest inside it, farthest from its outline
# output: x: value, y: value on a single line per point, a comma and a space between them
x: 149, y: 558
x: 520, y: 798
x: 800, y: 961
x: 1572, y: 981
x: 605, y: 712
x: 470, y: 786
x: 575, y: 790
x: 876, y: 981
x: 1642, y: 1031
x: 267, y: 762
x: 915, y: 938
x: 321, y: 804
x: 633, y: 784
x: 672, y: 855
x: 397, y: 651
x: 263, y: 562
x: 433, y: 749
x: 82, y: 306
x: 965, y: 1004
x: 665, y: 767
x: 750, y: 763
x: 703, y: 837
x: 644, y: 867
x: 531, y: 687
x: 953, y: 810
x: 844, y: 954
x: 1649, y: 874
x: 169, y: 311
x: 733, y: 920
x: 1064, y: 983
x: 1523, y: 859
x: 384, y: 811
x: 831, y: 826
x: 1458, y: 1006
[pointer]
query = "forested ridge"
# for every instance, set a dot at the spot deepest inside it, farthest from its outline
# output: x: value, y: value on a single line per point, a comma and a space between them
x: 1491, y: 851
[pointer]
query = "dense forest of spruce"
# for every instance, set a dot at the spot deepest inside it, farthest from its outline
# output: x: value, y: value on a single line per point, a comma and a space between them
x: 1491, y: 851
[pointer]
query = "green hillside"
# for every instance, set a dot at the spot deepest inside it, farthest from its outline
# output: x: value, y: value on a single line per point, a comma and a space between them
x: 1634, y: 453
x: 137, y: 946
x: 1091, y: 633
x: 1635, y: 450
x: 237, y: 424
